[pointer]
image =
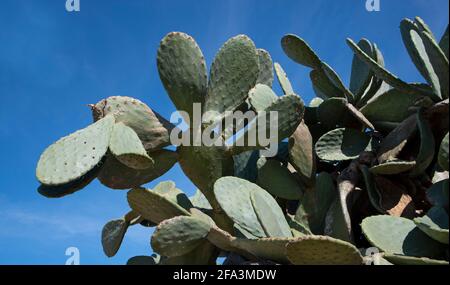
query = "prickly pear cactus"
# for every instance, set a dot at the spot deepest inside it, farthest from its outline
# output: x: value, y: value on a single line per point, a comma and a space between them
x: 362, y: 168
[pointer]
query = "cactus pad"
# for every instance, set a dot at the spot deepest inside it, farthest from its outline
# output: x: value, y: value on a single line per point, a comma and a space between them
x: 270, y: 215
x: 299, y: 51
x: 168, y: 189
x: 443, y: 153
x: 261, y: 97
x: 301, y: 153
x: 126, y: 146
x: 179, y: 235
x: 116, y: 175
x: 398, y: 259
x: 342, y: 144
x: 322, y: 250
x: 434, y: 224
x: 112, y: 236
x: 265, y: 75
x: 233, y: 195
x: 396, y: 235
x: 153, y: 206
x: 73, y: 156
x: 152, y: 129
x: 265, y: 248
x: 233, y: 73
x: 182, y: 70
x: 393, y: 167
x: 278, y: 180
x: 285, y: 84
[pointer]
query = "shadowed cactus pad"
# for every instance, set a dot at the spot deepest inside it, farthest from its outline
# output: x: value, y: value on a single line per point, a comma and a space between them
x: 112, y: 236
x: 434, y: 224
x: 342, y: 144
x: 395, y: 235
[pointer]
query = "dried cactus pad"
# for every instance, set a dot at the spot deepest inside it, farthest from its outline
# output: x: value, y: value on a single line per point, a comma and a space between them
x: 112, y: 236
x: 152, y: 129
x: 434, y: 224
x: 233, y: 195
x: 396, y: 235
x: 153, y: 206
x: 75, y: 155
x: 322, y: 250
x: 182, y: 70
x: 342, y: 144
x: 270, y: 215
x: 179, y: 235
x: 126, y: 146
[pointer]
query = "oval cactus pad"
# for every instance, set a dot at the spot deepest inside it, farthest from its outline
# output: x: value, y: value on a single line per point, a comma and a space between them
x: 75, y: 155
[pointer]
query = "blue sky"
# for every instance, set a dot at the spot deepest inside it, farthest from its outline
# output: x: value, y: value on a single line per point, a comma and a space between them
x: 53, y: 63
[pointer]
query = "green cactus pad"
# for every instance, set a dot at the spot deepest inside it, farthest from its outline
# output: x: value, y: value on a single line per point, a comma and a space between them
x: 397, y: 259
x: 144, y: 260
x: 443, y: 153
x: 204, y: 165
x: 116, y: 175
x: 372, y: 190
x: 261, y: 97
x: 234, y: 72
x: 395, y: 141
x: 426, y: 55
x: 179, y: 235
x: 204, y: 254
x: 437, y: 194
x: 393, y: 167
x: 153, y: 206
x: 322, y: 85
x: 245, y: 165
x: 342, y: 144
x: 126, y: 146
x: 270, y: 215
x: 301, y: 153
x: 168, y: 189
x: 434, y: 224
x: 75, y: 155
x: 396, y: 235
x: 59, y: 191
x: 336, y: 81
x: 285, y: 84
x: 264, y: 248
x: 265, y: 75
x: 299, y: 51
x: 391, y: 106
x: 233, y: 195
x: 278, y: 180
x: 199, y: 201
x: 112, y: 235
x: 427, y: 145
x: 182, y: 70
x: 322, y: 250
x: 152, y: 129
x: 290, y: 110
x: 361, y: 75
x: 382, y: 73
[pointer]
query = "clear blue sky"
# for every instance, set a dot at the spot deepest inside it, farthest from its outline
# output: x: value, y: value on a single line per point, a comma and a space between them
x: 53, y: 63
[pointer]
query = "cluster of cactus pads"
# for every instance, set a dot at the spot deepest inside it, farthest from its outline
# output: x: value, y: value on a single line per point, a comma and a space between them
x: 360, y: 177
